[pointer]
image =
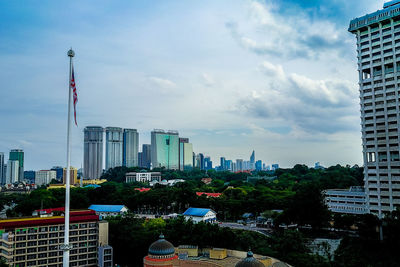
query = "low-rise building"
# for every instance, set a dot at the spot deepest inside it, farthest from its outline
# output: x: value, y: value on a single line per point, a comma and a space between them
x: 142, y: 177
x: 200, y: 215
x: 208, y: 195
x: 350, y: 201
x: 36, y: 240
x: 108, y: 210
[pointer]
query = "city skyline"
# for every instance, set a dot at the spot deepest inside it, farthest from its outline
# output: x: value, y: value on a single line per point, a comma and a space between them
x: 274, y: 100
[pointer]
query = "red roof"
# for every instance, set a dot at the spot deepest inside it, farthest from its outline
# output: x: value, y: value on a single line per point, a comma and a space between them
x: 75, y: 216
x: 209, y: 194
x: 51, y: 210
x: 143, y: 189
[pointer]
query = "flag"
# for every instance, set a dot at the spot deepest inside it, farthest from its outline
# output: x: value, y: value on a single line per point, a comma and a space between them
x: 74, y: 94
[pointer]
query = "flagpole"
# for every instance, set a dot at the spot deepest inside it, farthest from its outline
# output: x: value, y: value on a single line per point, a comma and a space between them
x: 66, y: 246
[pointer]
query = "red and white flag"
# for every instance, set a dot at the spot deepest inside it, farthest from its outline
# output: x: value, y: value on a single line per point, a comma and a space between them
x: 74, y: 93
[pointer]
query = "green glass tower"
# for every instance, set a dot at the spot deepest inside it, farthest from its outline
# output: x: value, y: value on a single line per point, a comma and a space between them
x: 18, y: 154
x: 165, y: 149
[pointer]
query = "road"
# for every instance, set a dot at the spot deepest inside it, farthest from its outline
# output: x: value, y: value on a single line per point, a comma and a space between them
x: 263, y: 231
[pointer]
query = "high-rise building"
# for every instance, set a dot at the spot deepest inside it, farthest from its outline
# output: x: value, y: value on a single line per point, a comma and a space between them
x: 59, y: 172
x: 182, y: 142
x: 18, y: 154
x: 93, y: 152
x: 252, y: 160
x: 165, y: 149
x: 228, y: 165
x: 73, y: 176
x: 44, y: 177
x: 258, y: 165
x: 2, y: 174
x: 222, y: 163
x: 130, y: 148
x: 377, y: 35
x: 114, y: 147
x: 275, y: 167
x: 207, y: 163
x: 239, y: 165
x: 201, y: 161
x: 12, y: 174
x: 146, y: 156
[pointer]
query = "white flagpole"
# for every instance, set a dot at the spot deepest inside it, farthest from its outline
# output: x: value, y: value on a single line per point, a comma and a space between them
x: 66, y: 246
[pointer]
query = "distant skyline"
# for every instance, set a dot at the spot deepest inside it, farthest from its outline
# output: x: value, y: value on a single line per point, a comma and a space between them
x: 279, y: 77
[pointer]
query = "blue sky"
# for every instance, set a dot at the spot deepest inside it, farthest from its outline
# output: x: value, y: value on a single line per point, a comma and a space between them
x: 275, y: 76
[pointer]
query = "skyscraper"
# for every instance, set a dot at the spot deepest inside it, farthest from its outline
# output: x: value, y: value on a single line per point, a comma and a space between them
x: 239, y: 165
x: 222, y: 163
x: 114, y: 148
x: 258, y: 165
x: 201, y: 161
x: 2, y: 174
x: 93, y: 152
x: 185, y: 154
x: 165, y: 149
x: 252, y: 160
x: 18, y: 154
x: 131, y: 148
x: 12, y: 175
x: 146, y: 156
x: 378, y: 48
x: 208, y: 163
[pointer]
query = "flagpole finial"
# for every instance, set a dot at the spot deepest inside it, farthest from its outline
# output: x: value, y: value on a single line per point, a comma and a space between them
x: 71, y: 53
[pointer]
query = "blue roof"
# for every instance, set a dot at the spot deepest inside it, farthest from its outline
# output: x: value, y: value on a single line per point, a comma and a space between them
x: 92, y: 186
x: 199, y: 212
x: 106, y: 208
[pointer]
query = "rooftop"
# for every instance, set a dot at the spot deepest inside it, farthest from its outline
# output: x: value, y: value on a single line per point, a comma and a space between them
x: 197, y: 212
x: 390, y: 9
x: 106, y: 208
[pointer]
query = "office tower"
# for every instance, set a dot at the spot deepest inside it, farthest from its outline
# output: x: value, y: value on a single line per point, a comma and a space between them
x: 239, y: 165
x: 378, y: 48
x: 44, y: 177
x: 207, y: 163
x: 146, y: 156
x: 258, y: 165
x: 59, y: 172
x: 12, y: 174
x: 93, y: 152
x: 130, y: 148
x: 201, y: 161
x: 185, y: 154
x: 228, y: 165
x: 264, y: 166
x: 252, y: 160
x: 222, y: 163
x: 73, y: 176
x: 29, y: 176
x: 140, y: 160
x: 18, y: 154
x: 36, y: 240
x: 234, y: 169
x: 114, y: 147
x: 2, y: 174
x: 165, y: 149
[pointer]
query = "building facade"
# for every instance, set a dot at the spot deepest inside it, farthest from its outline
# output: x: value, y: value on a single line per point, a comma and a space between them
x: 146, y: 156
x: 142, y: 177
x: 93, y: 152
x: 59, y: 172
x: 18, y: 154
x: 73, y: 176
x: 165, y: 149
x: 378, y: 49
x: 35, y: 241
x: 114, y: 147
x: 44, y: 177
x: 350, y: 201
x: 12, y: 173
x: 130, y: 148
x: 2, y: 173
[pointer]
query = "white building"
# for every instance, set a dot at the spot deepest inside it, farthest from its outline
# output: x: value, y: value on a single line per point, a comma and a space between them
x: 378, y: 48
x: 93, y: 152
x: 12, y: 172
x: 142, y: 177
x: 171, y: 182
x: 350, y: 201
x: 108, y: 210
x: 44, y: 177
x: 114, y: 147
x: 200, y: 215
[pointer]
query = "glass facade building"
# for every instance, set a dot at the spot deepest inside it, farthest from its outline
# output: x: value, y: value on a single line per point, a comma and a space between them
x: 18, y: 154
x: 165, y: 149
x: 93, y: 152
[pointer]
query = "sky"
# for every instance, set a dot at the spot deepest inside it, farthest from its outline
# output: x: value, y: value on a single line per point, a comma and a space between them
x: 279, y: 77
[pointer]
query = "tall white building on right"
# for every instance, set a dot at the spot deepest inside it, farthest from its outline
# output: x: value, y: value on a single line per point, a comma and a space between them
x: 378, y: 50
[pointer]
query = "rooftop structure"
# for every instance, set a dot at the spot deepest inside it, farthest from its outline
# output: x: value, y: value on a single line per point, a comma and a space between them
x: 200, y: 215
x: 350, y: 201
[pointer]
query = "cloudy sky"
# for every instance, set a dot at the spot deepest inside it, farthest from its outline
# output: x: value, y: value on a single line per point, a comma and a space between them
x: 275, y: 76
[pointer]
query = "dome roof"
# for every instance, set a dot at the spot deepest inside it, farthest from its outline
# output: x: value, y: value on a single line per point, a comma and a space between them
x: 249, y: 261
x: 161, y: 247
